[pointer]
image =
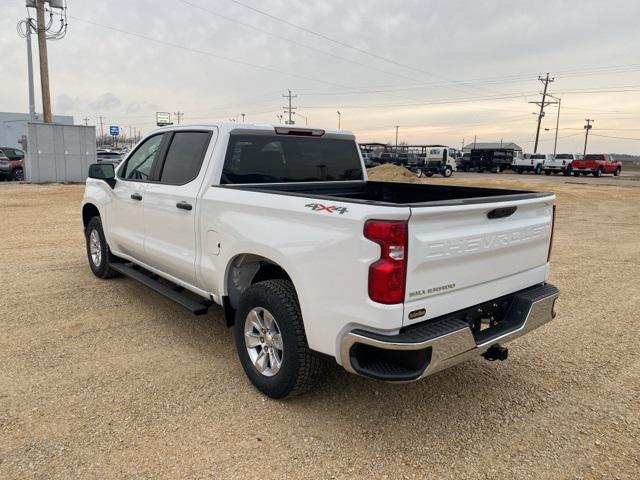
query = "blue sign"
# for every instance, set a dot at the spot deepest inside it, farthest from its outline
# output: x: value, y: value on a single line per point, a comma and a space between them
x: 114, y: 130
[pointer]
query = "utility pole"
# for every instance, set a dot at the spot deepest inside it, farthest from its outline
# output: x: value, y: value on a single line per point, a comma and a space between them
x: 242, y: 117
x: 101, y: 130
x: 542, y: 104
x: 339, y: 119
x: 462, y: 144
x: 475, y: 137
x: 44, y: 62
x: 289, y: 109
x: 86, y: 121
x: 179, y: 115
x: 397, y: 127
x: 587, y: 127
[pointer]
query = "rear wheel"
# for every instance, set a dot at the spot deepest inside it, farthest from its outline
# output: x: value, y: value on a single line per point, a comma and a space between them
x: 538, y: 169
x: 597, y: 173
x: 419, y: 172
x: 617, y: 172
x: 17, y: 174
x: 98, y: 252
x: 271, y: 341
x: 447, y: 171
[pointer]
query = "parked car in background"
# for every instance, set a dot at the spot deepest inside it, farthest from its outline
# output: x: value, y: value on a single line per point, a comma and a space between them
x: 109, y: 156
x: 463, y: 162
x: 407, y: 159
x: 534, y: 163
x: 561, y: 163
x: 12, y: 163
x: 440, y: 160
x: 596, y: 164
x: 388, y: 157
x: 492, y: 160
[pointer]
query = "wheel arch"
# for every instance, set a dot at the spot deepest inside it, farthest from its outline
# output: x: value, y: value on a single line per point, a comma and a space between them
x: 244, y: 270
x: 89, y: 210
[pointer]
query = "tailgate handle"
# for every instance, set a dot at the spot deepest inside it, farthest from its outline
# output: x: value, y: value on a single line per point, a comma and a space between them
x: 501, y: 212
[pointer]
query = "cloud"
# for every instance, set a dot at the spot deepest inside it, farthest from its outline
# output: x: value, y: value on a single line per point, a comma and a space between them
x: 105, y: 103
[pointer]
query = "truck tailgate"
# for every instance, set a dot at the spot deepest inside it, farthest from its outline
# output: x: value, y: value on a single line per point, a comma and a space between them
x: 465, y: 254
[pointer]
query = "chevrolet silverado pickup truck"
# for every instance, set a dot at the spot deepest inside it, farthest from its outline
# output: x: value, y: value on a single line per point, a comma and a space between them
x: 560, y: 163
x: 308, y: 258
x: 596, y: 164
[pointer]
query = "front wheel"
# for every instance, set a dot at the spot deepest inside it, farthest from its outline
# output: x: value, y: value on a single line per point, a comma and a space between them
x: 98, y: 252
x: 17, y: 175
x: 271, y: 341
x: 597, y: 173
x: 617, y: 172
x: 418, y: 172
x: 447, y: 172
x: 538, y: 170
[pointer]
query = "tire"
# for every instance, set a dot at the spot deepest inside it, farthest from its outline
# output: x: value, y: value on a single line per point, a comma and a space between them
x: 519, y: 170
x: 99, y: 263
x: 17, y: 175
x: 576, y: 174
x: 447, y: 172
x: 418, y: 172
x: 429, y: 173
x: 617, y: 172
x: 538, y: 170
x: 299, y: 366
x: 547, y: 172
x: 597, y: 173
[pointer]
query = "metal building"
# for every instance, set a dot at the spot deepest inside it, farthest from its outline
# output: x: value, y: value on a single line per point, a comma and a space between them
x: 13, y: 127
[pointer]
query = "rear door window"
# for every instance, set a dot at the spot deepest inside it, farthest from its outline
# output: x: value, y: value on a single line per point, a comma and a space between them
x: 184, y: 157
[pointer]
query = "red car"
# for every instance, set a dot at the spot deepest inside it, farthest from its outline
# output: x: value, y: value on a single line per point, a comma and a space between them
x: 596, y: 164
x: 11, y: 163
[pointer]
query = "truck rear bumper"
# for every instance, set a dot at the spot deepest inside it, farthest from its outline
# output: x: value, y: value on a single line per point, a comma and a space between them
x: 431, y: 346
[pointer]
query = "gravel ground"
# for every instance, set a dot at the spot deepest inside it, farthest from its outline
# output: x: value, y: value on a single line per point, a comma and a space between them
x: 105, y: 379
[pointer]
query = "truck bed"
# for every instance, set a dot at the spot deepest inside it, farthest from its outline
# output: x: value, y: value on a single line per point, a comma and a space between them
x: 394, y: 193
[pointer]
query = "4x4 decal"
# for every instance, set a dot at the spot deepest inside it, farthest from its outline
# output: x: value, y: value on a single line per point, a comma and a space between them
x: 318, y: 207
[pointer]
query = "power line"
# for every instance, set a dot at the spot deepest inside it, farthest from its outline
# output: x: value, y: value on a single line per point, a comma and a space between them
x: 343, y: 44
x: 209, y: 54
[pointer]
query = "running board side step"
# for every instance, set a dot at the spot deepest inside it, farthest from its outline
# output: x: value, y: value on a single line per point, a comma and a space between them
x: 175, y: 294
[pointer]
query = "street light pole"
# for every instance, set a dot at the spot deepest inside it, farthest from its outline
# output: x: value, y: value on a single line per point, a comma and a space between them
x: 339, y: 115
x: 32, y: 102
x: 397, y: 127
x: 555, y: 142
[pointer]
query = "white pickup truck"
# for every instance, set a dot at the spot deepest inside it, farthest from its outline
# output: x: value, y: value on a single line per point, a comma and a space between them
x: 281, y: 227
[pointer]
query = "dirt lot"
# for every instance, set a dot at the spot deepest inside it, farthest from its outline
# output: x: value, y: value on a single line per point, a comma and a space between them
x: 104, y: 379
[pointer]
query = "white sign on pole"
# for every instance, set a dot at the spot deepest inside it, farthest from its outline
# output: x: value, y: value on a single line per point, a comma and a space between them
x: 163, y: 118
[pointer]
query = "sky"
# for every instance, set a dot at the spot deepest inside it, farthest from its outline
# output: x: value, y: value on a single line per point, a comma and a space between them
x: 443, y: 71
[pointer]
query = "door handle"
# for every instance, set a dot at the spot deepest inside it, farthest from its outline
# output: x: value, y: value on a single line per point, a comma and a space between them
x: 136, y: 196
x: 184, y: 206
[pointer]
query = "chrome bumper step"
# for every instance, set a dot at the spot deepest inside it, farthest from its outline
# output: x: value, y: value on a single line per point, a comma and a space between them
x: 431, y: 346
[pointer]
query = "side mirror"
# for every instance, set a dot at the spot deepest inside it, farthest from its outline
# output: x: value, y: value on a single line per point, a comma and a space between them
x: 103, y: 171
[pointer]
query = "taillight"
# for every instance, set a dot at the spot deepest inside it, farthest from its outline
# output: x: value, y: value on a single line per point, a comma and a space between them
x: 553, y: 226
x: 387, y: 276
